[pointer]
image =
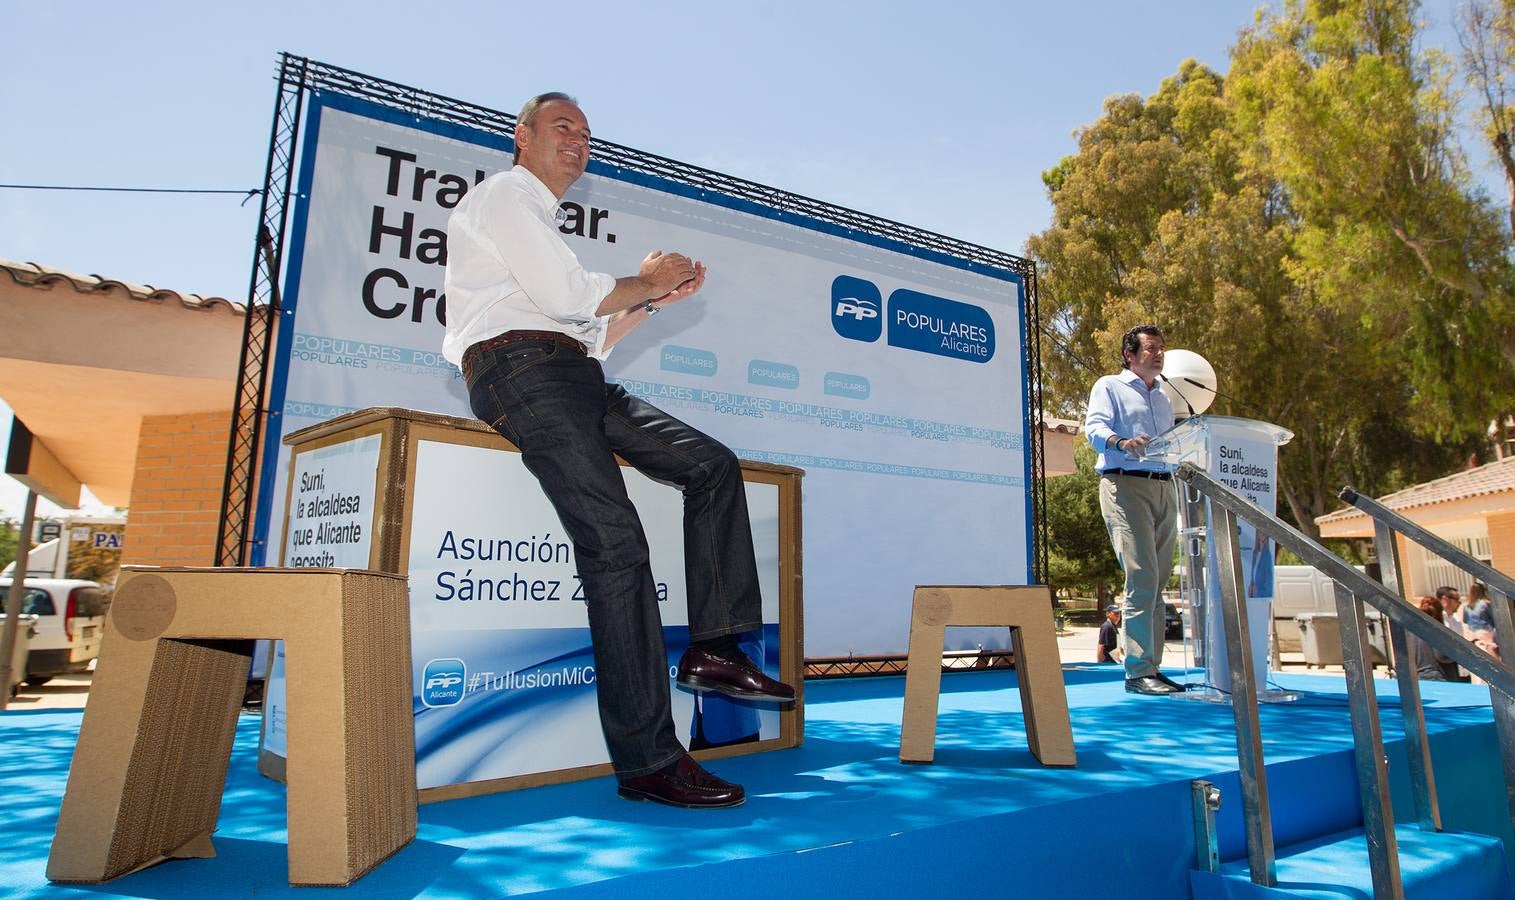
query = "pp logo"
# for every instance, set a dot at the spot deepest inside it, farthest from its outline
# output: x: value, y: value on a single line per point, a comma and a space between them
x: 855, y: 306
x: 442, y: 682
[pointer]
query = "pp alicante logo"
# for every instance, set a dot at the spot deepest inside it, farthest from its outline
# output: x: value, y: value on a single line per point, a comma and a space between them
x: 855, y: 308
x: 442, y: 682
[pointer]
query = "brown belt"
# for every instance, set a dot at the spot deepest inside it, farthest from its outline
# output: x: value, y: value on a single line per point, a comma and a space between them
x: 471, y: 355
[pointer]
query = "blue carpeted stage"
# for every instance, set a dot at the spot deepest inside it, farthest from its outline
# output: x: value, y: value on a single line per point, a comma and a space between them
x: 841, y: 817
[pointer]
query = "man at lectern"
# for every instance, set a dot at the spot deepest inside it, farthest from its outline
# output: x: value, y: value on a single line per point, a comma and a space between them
x: 1136, y: 497
x: 529, y: 326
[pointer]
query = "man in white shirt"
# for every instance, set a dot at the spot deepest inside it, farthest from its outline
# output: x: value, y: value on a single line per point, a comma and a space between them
x: 530, y: 326
x: 1136, y: 497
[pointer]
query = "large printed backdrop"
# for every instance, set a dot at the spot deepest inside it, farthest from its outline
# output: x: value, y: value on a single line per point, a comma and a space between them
x: 893, y: 375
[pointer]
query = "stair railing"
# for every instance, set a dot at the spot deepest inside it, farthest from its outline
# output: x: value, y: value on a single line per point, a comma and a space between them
x: 1500, y: 587
x: 1353, y: 589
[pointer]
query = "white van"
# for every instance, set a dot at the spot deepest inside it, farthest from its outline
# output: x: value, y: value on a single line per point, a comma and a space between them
x: 70, y: 623
x: 1303, y: 592
x: 1298, y: 590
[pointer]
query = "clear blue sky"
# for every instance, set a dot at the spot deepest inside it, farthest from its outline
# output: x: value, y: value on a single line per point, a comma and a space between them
x: 941, y: 115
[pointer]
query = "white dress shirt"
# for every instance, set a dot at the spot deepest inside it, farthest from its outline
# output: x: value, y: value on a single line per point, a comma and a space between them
x: 1122, y: 406
x: 509, y: 269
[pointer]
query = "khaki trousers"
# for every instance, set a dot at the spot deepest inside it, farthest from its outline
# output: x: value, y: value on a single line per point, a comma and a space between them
x: 1141, y: 515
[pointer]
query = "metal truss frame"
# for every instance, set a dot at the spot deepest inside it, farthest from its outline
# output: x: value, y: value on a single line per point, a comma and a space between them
x: 1036, y: 432
x: 233, y: 537
x: 863, y: 666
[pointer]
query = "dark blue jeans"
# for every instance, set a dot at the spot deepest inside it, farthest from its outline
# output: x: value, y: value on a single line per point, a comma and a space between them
x: 555, y: 405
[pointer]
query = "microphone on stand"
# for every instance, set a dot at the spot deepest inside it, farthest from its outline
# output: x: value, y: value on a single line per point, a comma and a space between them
x: 1180, y: 393
x: 1249, y: 409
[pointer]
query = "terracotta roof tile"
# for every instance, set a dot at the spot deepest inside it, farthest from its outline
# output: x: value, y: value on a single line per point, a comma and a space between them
x: 38, y: 275
x: 1494, y: 478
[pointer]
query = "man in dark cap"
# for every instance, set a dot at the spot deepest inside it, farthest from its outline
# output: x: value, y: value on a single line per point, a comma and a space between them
x: 1108, y: 636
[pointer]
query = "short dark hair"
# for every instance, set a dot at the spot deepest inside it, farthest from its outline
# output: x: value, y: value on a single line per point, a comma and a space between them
x: 1444, y: 592
x: 1131, y: 341
x: 529, y: 113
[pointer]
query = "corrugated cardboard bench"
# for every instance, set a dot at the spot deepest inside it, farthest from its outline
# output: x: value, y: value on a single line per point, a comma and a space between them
x: 1038, y: 666
x: 150, y: 765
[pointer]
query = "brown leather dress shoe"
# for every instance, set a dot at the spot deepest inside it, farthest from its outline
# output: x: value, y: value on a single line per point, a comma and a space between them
x: 701, y: 670
x: 683, y: 784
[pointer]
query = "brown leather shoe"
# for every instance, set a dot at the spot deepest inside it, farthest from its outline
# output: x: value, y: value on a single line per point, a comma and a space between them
x: 701, y: 670
x: 683, y: 784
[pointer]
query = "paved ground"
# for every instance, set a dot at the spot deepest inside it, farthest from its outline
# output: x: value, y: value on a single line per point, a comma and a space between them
x: 1076, y: 645
x: 62, y: 692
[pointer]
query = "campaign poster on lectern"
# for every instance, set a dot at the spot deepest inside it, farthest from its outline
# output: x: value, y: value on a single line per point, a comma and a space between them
x: 1247, y: 463
x: 1245, y: 459
x: 332, y: 494
x: 894, y: 374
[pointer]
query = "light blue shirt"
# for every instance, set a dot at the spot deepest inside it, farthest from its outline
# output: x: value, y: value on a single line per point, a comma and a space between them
x: 1122, y: 406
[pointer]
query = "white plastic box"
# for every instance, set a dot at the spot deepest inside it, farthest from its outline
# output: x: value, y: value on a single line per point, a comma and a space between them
x: 1320, y: 638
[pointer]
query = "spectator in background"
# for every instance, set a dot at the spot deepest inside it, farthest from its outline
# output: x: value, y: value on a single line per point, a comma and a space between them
x: 1430, y: 664
x: 1451, y: 608
x: 1478, y: 618
x: 1108, y: 648
x: 1454, y: 617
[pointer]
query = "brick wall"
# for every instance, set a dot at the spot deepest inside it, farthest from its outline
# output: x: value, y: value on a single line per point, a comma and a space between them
x: 176, y: 490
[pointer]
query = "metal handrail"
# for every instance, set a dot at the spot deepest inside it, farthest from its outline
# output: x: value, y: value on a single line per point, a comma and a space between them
x: 1500, y: 588
x: 1498, y: 674
x: 1492, y: 578
x: 1353, y: 590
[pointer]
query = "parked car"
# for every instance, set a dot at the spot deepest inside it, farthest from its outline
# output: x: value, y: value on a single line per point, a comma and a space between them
x: 28, y: 630
x: 1173, y: 623
x: 70, y: 623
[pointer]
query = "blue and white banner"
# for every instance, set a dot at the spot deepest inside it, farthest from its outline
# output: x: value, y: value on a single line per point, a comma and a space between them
x: 503, y: 671
x: 893, y: 374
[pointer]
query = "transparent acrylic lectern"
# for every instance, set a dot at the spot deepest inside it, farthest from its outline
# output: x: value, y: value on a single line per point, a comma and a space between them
x: 1243, y: 454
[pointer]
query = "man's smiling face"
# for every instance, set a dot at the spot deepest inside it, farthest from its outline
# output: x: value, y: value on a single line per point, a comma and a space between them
x: 555, y: 146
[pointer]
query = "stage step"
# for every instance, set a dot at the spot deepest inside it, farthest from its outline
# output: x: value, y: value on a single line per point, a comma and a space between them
x: 1432, y: 866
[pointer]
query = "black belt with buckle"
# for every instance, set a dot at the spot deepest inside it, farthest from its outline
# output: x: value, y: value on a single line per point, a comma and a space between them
x: 471, y: 355
x: 1140, y: 473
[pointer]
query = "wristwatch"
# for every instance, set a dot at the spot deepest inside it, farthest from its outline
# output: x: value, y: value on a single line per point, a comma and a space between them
x: 650, y: 307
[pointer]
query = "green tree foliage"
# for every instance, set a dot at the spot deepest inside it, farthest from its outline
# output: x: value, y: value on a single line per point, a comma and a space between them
x: 1486, y: 29
x: 1079, y: 554
x: 1305, y: 224
x: 10, y: 536
x: 1333, y: 100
